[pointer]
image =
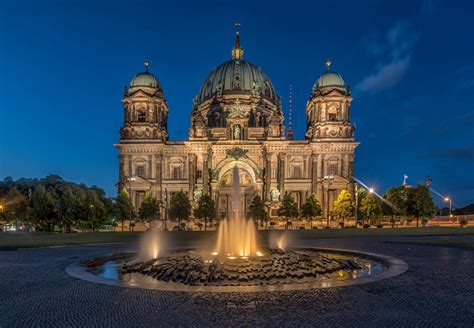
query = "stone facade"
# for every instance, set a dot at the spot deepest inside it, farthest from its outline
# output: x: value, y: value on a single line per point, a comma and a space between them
x: 237, y: 119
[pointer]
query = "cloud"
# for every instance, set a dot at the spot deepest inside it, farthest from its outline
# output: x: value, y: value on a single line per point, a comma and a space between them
x: 393, y: 52
x: 386, y: 77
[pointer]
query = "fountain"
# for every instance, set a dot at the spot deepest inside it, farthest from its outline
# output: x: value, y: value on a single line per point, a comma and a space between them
x: 236, y: 236
x: 238, y: 263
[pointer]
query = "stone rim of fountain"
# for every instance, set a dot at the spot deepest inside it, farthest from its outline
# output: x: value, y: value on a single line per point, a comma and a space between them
x: 392, y: 267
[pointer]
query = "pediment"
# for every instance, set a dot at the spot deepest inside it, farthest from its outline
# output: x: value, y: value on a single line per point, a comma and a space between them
x: 337, y: 180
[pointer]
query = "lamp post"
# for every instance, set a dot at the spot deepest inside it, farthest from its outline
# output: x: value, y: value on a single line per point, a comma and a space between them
x: 165, y: 216
x: 448, y: 199
x: 91, y: 206
x: 327, y: 183
x: 356, y: 216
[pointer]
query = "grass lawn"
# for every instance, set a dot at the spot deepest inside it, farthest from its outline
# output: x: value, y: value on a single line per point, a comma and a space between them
x: 466, y: 243
x: 14, y: 240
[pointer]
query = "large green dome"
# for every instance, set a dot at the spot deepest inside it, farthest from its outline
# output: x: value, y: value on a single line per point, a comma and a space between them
x: 237, y: 76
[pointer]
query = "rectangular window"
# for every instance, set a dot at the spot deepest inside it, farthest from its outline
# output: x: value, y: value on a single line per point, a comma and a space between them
x: 140, y: 171
x: 297, y: 174
x: 199, y: 174
x: 332, y: 169
x: 176, y: 173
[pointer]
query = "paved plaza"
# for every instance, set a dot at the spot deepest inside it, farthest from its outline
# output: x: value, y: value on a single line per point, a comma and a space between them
x: 437, y: 290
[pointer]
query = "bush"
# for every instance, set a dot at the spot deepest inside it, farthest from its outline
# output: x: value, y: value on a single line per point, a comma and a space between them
x: 424, y: 222
x: 352, y: 227
x: 314, y: 227
x: 341, y: 224
x: 366, y: 226
x: 380, y: 225
x: 463, y: 222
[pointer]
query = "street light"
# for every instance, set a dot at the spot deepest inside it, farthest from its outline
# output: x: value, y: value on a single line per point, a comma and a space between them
x: 371, y: 190
x: 327, y: 183
x: 448, y: 199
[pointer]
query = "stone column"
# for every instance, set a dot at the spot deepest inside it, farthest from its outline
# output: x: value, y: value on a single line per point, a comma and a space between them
x: 281, y: 172
x: 129, y: 165
x: 268, y: 175
x: 205, y: 176
x: 314, y: 173
x: 159, y: 176
x: 192, y: 175
x: 121, y: 171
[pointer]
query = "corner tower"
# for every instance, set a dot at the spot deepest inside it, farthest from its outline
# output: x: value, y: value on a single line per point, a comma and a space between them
x: 145, y: 110
x: 331, y: 136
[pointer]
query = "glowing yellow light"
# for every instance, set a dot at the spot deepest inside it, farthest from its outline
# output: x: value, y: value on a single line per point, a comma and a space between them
x: 231, y: 257
x: 259, y: 254
x: 371, y: 190
x: 340, y: 273
x: 214, y: 253
x: 446, y: 199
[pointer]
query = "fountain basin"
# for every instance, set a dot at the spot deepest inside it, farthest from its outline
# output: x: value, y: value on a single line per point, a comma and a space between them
x: 196, y: 270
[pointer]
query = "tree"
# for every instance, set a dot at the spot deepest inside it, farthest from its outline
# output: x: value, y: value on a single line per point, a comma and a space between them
x: 370, y: 207
x: 206, y: 209
x: 44, y: 208
x: 420, y: 203
x: 69, y: 206
x: 257, y: 210
x: 180, y: 207
x: 96, y: 212
x: 310, y: 209
x: 288, y: 208
x: 150, y: 208
x: 397, y: 197
x: 343, y: 205
x: 123, y: 206
x: 16, y: 206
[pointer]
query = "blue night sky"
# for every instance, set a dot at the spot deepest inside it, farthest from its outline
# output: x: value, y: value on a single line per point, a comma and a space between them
x: 410, y: 64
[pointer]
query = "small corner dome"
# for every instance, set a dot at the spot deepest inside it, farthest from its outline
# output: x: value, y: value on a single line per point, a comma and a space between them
x: 144, y: 79
x: 330, y: 78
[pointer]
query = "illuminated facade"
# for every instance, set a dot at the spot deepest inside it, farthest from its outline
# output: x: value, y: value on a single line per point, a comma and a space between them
x: 237, y: 119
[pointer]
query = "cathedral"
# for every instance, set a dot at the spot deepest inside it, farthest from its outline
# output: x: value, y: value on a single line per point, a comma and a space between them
x: 237, y: 120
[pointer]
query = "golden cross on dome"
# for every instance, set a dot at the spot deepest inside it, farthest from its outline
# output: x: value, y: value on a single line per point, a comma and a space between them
x: 328, y: 64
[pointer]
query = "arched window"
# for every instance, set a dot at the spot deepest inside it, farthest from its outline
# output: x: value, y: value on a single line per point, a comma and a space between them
x: 332, y: 114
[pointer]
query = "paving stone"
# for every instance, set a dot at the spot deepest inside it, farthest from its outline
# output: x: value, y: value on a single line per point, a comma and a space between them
x: 437, y: 291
